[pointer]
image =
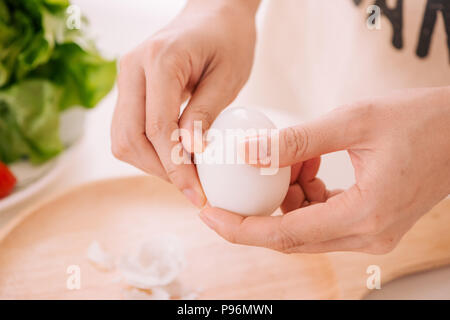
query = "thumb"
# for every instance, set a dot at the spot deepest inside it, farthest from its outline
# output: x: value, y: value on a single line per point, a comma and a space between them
x: 338, y: 130
x: 213, y: 93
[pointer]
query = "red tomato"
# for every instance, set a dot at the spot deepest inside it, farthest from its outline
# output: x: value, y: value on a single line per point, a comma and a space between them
x: 7, y: 181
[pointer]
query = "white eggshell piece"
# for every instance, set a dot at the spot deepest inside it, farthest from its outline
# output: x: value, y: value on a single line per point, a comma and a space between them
x: 239, y: 187
x: 178, y: 290
x: 99, y: 257
x: 139, y: 294
x: 154, y: 263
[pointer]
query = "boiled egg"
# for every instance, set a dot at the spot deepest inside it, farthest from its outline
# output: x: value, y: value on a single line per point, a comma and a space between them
x: 228, y: 182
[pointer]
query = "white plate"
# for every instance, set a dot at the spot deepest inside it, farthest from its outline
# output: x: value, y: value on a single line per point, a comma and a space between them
x: 32, y: 178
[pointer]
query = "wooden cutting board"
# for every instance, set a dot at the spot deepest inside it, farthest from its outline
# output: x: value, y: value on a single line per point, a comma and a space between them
x: 36, y: 250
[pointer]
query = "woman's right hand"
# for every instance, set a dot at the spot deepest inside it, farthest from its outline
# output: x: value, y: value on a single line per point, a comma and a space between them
x: 205, y: 55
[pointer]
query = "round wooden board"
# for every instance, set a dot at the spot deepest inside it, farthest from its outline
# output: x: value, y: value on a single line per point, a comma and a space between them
x: 120, y: 213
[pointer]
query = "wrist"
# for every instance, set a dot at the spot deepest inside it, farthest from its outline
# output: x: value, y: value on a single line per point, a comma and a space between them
x: 250, y: 6
x: 247, y: 8
x: 441, y: 126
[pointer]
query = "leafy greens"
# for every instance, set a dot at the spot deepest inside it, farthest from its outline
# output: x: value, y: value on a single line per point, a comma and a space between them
x: 45, y: 68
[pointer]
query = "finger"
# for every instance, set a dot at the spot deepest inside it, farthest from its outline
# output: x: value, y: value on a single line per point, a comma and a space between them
x: 294, y: 199
x: 295, y: 172
x: 332, y: 193
x: 164, y: 94
x: 238, y: 229
x: 146, y: 159
x: 309, y: 170
x: 213, y: 93
x: 128, y: 140
x: 329, y: 194
x: 338, y: 130
x: 350, y: 243
x: 313, y: 224
x: 295, y: 196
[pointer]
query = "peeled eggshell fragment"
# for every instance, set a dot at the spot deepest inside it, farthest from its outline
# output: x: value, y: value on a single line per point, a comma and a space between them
x: 157, y: 293
x: 154, y: 263
x: 178, y: 291
x: 139, y: 294
x: 150, y: 269
x: 233, y: 185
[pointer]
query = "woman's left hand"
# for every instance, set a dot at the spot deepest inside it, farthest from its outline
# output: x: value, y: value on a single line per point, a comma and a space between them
x: 400, y: 150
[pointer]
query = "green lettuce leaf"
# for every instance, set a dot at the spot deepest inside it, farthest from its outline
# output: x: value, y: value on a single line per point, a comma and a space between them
x: 30, y: 121
x: 84, y: 76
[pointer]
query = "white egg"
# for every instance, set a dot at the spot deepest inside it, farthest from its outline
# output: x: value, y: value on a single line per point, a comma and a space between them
x: 231, y: 184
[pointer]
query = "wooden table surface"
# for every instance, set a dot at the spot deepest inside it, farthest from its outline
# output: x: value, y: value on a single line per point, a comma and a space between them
x: 37, y: 248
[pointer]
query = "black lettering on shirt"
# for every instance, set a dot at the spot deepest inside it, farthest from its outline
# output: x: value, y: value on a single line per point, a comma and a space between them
x: 429, y: 22
x: 395, y: 17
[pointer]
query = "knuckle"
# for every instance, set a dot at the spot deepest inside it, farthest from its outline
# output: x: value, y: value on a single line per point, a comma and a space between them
x: 160, y: 126
x: 202, y: 113
x: 296, y: 141
x: 174, y: 174
x: 162, y: 51
x: 358, y: 117
x: 360, y: 110
x: 282, y: 239
x: 154, y: 128
x: 231, y: 237
x: 126, y: 65
x: 154, y: 47
x: 165, y: 56
x: 117, y: 151
x: 126, y: 61
x: 174, y: 65
x: 373, y: 224
x: 367, y: 109
x: 121, y: 146
x: 373, y: 217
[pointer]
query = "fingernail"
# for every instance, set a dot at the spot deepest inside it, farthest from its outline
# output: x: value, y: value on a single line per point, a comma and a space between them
x: 197, y: 199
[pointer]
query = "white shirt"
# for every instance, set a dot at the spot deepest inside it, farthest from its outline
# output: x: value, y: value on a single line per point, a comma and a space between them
x: 314, y: 55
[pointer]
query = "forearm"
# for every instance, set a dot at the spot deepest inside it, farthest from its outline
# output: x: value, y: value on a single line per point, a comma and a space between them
x: 434, y: 113
x: 446, y: 115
